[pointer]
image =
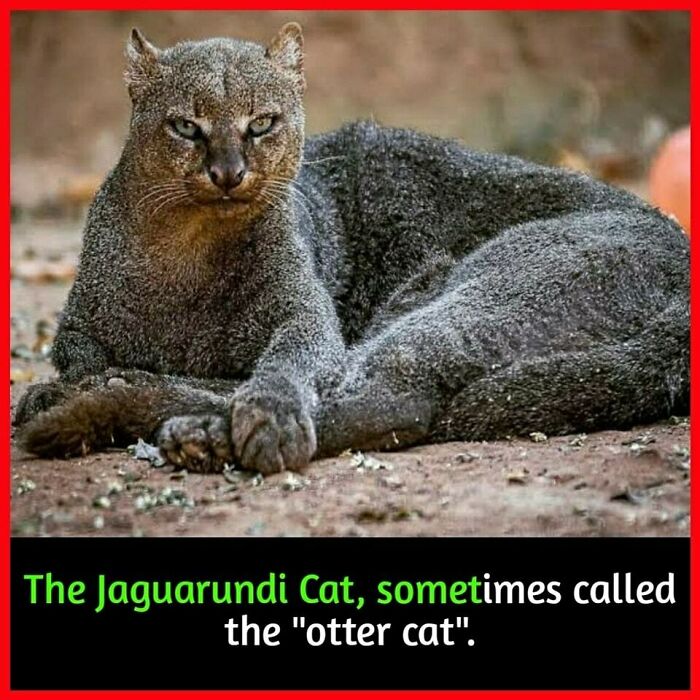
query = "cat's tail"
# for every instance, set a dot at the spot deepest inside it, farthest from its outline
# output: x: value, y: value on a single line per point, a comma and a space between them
x: 373, y: 418
x: 613, y: 384
x: 112, y: 416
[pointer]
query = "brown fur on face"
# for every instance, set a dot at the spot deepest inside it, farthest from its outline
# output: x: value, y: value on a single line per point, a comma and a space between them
x: 244, y: 82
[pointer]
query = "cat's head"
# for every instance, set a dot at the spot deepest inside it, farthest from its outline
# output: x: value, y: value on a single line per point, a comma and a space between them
x: 216, y: 124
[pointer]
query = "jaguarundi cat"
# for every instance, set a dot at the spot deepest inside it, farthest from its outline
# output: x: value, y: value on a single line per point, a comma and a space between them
x: 249, y: 296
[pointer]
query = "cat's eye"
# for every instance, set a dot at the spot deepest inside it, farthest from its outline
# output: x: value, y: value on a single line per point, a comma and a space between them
x: 186, y: 129
x: 261, y: 125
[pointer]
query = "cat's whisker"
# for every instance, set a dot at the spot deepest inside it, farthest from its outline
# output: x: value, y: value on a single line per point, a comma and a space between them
x: 155, y: 196
x: 286, y: 187
x: 169, y: 204
x: 175, y: 199
x: 160, y: 188
x: 276, y: 195
x: 322, y: 160
x: 177, y: 182
x: 268, y: 199
x: 273, y: 197
x: 165, y: 196
x: 290, y: 195
x: 284, y: 192
x: 276, y: 183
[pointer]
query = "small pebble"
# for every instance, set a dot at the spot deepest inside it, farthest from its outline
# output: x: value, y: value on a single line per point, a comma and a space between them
x: 102, y: 502
x: 293, y: 483
x: 517, y: 477
x: 25, y: 486
x: 465, y: 457
x: 114, y: 487
x: 363, y: 462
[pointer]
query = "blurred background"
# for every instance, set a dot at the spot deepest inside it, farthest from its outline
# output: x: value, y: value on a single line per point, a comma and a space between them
x: 596, y: 91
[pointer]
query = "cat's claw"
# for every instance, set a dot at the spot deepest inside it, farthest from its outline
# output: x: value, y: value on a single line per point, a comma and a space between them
x: 197, y: 443
x: 270, y: 434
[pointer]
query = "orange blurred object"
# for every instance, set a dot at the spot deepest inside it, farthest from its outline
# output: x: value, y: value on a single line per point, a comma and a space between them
x: 669, y: 177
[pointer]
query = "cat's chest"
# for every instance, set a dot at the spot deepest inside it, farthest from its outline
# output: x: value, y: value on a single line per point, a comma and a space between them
x: 195, y: 329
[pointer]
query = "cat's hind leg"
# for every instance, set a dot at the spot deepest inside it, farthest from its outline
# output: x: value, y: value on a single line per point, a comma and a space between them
x: 638, y: 380
x: 582, y: 321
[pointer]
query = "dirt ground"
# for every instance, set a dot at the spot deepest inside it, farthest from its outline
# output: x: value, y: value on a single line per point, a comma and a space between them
x: 632, y: 482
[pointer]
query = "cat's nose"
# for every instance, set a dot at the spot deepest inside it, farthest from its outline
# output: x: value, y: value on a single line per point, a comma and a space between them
x: 227, y: 176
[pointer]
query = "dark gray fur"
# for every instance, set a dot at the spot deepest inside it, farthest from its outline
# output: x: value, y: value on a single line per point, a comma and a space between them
x: 402, y: 289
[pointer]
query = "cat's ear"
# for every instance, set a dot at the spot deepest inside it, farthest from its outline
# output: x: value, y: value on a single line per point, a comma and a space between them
x: 287, y: 51
x: 142, y: 62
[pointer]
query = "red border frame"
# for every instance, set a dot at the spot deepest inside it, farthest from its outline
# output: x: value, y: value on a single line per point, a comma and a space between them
x: 154, y: 5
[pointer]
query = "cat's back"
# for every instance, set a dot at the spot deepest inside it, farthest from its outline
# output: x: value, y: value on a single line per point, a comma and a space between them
x: 407, y: 199
x: 387, y: 168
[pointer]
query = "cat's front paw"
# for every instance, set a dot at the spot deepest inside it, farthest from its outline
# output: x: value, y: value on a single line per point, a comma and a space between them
x: 198, y: 443
x: 39, y: 398
x: 271, y: 429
